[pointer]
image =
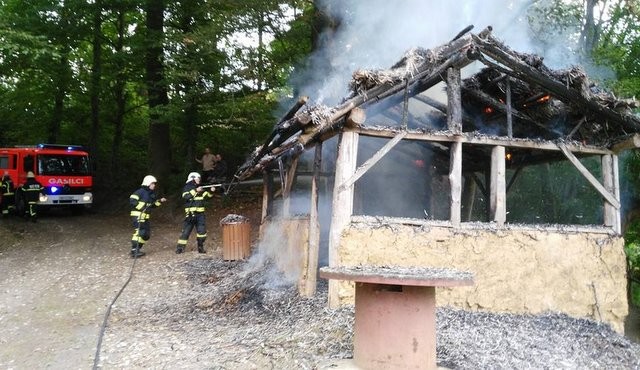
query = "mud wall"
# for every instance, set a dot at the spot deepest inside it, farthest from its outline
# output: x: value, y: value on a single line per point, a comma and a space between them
x: 526, y: 271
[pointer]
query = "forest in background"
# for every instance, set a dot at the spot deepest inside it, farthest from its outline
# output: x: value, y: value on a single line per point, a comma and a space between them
x: 147, y: 85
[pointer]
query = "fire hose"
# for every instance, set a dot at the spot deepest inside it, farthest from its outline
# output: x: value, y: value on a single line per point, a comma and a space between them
x: 96, y: 358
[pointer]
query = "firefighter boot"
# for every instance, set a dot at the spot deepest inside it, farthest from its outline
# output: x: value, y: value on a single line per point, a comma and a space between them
x: 201, y: 248
x: 135, y: 250
x: 179, y: 249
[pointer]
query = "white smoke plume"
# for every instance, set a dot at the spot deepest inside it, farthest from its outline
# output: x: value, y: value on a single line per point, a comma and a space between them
x: 374, y: 34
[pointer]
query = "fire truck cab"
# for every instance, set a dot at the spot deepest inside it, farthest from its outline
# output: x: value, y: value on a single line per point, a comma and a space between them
x: 64, y: 171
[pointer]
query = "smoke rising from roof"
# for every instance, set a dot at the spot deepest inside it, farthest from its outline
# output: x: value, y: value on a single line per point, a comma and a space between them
x: 374, y: 34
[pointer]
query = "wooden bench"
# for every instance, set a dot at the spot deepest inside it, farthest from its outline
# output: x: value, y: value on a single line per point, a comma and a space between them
x: 395, y: 313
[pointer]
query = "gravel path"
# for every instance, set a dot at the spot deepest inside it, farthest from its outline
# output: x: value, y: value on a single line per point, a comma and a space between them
x: 195, y: 311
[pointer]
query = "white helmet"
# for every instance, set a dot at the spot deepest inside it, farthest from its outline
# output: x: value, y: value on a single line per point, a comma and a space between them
x: 193, y: 176
x: 148, y: 180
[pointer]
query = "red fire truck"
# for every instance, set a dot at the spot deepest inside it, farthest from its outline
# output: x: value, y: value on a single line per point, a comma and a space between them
x: 63, y: 170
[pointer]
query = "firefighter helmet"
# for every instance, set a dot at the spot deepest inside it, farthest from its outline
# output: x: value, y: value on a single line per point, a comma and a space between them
x: 30, y: 175
x: 193, y: 176
x: 148, y: 180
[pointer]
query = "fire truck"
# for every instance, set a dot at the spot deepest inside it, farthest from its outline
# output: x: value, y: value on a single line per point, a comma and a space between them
x: 64, y: 171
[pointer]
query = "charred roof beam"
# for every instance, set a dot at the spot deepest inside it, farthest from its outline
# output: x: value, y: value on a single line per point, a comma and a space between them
x: 525, y: 72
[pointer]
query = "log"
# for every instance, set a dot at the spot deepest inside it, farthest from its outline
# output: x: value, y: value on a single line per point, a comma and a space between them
x: 356, y: 117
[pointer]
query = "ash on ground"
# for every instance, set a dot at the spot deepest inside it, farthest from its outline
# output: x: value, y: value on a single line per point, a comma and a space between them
x: 248, y: 317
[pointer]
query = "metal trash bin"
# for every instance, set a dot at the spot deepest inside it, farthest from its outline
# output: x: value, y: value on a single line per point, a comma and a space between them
x: 236, y: 237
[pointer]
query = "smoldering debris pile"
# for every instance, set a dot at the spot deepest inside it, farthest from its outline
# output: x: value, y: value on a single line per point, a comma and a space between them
x: 315, y: 334
x: 477, y: 340
x: 233, y: 219
x: 241, y: 315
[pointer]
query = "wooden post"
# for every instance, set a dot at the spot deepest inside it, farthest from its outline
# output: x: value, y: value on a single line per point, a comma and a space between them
x: 310, y: 276
x: 609, y: 176
x: 509, y: 114
x: 267, y: 200
x: 342, y: 205
x: 498, y: 188
x: 455, y: 181
x: 454, y: 101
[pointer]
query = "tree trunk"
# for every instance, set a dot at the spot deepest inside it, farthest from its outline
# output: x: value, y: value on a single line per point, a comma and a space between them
x: 159, y: 130
x: 96, y: 75
x: 119, y: 95
x: 58, y: 100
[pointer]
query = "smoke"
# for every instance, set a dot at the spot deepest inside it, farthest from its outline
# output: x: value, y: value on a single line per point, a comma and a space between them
x: 374, y: 34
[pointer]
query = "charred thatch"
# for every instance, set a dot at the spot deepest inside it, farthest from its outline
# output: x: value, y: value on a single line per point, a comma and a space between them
x: 515, y: 96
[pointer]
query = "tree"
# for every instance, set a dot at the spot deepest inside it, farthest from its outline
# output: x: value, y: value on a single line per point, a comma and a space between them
x: 159, y: 128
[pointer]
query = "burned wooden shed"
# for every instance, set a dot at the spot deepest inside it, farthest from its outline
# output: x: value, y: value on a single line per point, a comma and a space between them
x: 469, y: 155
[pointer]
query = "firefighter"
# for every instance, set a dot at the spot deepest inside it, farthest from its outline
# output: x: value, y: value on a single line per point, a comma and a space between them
x: 194, y: 196
x: 30, y: 192
x: 8, y: 200
x: 142, y: 201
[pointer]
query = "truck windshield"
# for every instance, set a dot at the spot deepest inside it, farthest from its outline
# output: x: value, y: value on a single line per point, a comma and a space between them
x: 52, y: 165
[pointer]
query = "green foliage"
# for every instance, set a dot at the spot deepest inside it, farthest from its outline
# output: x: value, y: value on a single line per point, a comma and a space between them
x: 632, y: 249
x: 221, y: 83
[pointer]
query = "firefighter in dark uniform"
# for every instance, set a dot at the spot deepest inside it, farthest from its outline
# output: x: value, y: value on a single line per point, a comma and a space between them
x: 30, y: 192
x: 8, y: 191
x: 194, y: 197
x: 142, y: 201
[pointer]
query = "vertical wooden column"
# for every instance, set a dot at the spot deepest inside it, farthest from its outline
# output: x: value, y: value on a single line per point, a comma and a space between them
x: 267, y: 200
x: 286, y: 187
x: 454, y: 101
x: 509, y: 110
x: 342, y: 204
x: 310, y: 275
x: 454, y: 124
x: 498, y: 188
x: 455, y: 181
x: 610, y: 181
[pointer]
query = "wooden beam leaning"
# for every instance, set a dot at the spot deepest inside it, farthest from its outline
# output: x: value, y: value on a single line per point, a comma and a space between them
x: 498, y: 188
x: 373, y: 160
x: 585, y: 172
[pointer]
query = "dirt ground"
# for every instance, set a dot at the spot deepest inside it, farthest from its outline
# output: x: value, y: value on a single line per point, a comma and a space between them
x: 197, y: 311
x: 60, y: 274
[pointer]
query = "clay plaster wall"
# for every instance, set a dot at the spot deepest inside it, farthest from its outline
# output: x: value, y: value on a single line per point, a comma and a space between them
x: 527, y: 271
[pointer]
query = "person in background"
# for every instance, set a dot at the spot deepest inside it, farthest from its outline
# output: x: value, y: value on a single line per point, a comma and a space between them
x: 194, y: 196
x: 220, y: 170
x: 8, y: 192
x: 30, y: 192
x: 142, y: 201
x: 208, y: 161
